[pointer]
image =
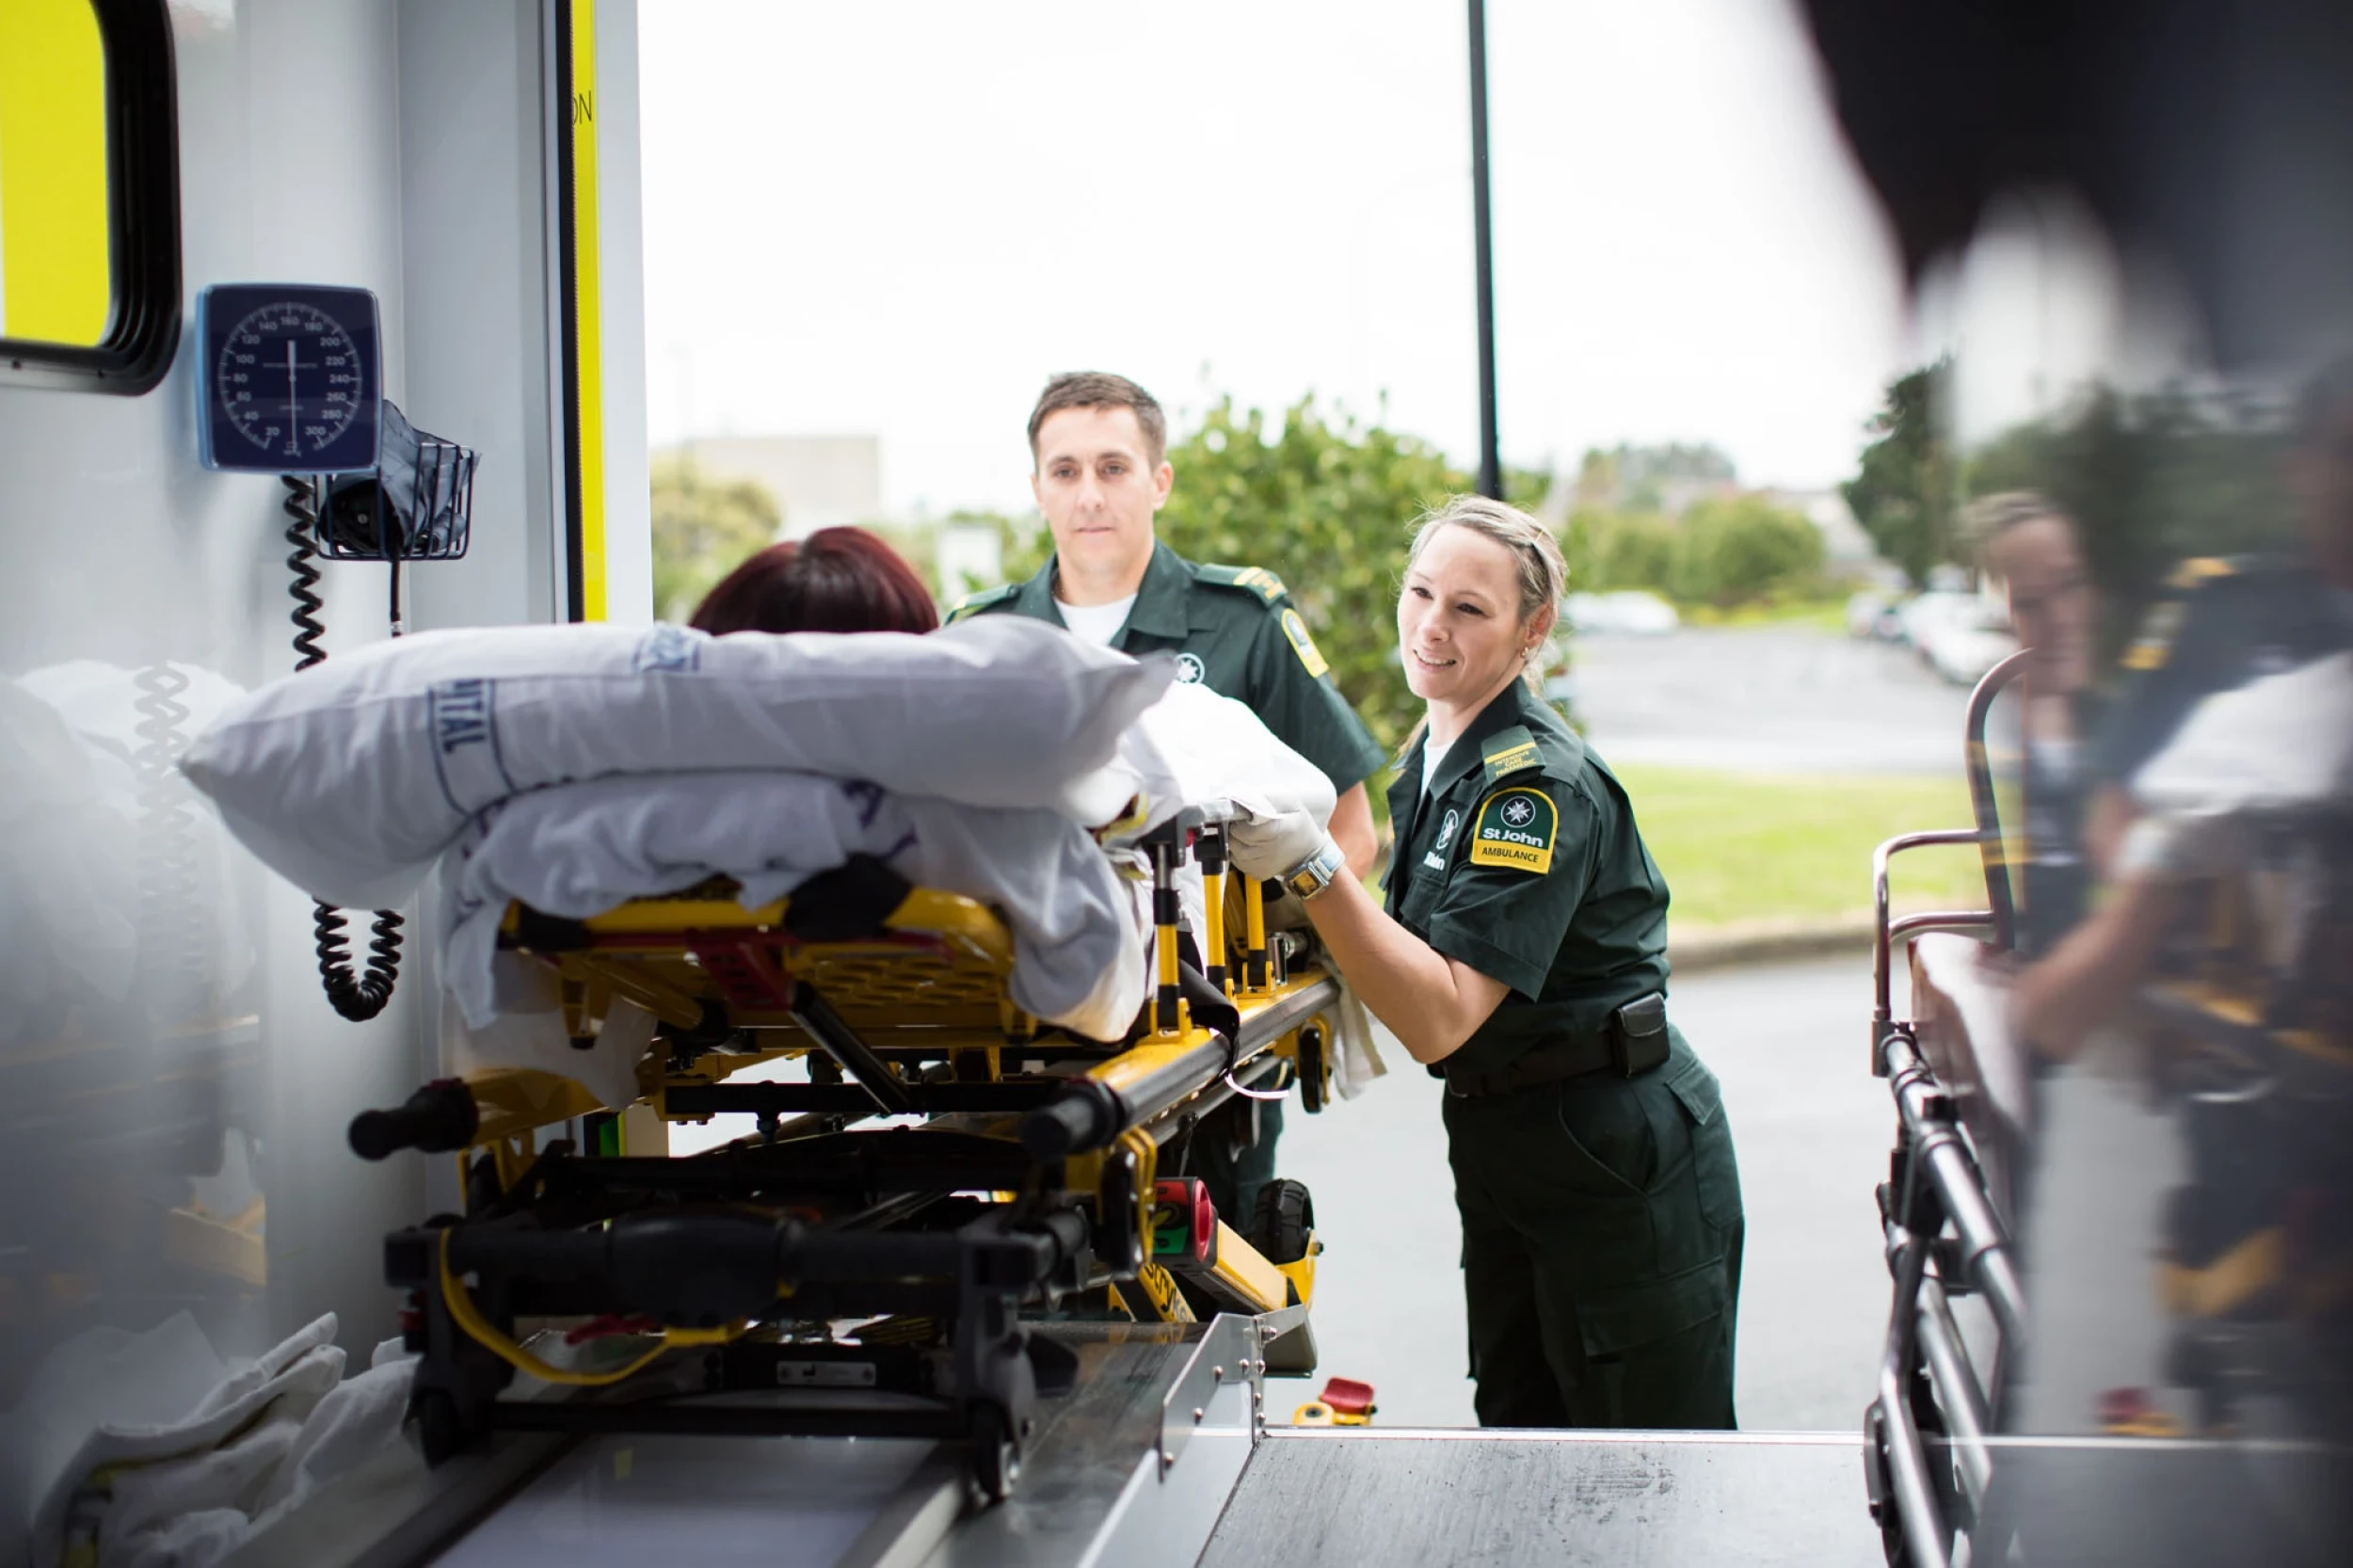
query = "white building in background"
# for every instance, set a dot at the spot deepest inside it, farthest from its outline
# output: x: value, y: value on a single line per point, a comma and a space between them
x: 820, y: 480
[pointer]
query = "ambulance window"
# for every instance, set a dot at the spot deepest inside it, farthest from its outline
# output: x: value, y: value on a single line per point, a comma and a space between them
x: 89, y: 241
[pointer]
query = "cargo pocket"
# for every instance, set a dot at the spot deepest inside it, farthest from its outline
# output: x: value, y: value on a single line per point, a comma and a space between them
x: 1716, y: 1171
x: 1622, y: 1317
x: 1612, y: 1150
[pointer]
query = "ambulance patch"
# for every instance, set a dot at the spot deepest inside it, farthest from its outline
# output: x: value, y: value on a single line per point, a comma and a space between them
x: 1516, y: 828
x: 1296, y: 629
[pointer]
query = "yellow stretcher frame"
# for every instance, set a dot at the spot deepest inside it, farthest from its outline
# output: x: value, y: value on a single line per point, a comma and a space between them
x: 935, y: 981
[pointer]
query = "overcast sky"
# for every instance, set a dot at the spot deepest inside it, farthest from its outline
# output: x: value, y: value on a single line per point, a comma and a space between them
x: 899, y: 216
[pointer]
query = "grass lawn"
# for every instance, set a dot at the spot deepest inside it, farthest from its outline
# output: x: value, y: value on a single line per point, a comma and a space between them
x: 1740, y: 847
x: 1817, y: 615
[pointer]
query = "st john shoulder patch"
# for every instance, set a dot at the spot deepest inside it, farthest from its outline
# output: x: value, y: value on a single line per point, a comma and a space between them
x: 1295, y: 628
x: 1516, y: 828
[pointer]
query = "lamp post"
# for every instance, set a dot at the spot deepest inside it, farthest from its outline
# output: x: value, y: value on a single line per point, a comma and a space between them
x: 1490, y: 462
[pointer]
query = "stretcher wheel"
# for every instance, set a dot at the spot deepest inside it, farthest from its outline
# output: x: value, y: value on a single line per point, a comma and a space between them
x: 996, y: 1461
x: 1284, y: 1223
x: 1311, y: 1070
x: 441, y: 1431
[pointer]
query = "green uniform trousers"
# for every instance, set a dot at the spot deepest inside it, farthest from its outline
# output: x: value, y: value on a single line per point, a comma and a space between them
x: 1601, y: 1249
x: 1236, y: 1167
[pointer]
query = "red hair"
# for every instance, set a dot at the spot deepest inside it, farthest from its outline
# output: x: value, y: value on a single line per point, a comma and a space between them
x: 836, y: 580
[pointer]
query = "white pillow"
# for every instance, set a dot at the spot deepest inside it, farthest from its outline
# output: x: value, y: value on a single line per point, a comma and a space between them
x: 350, y: 777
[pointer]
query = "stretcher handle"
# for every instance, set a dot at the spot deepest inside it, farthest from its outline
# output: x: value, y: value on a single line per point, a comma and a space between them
x: 705, y: 1266
x: 439, y: 1118
x: 1087, y: 1113
x: 1209, y: 851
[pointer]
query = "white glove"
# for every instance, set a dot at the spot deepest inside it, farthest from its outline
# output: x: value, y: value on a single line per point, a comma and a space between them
x: 1267, y: 847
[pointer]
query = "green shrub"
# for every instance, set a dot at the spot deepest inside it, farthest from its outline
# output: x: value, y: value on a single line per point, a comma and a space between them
x: 1739, y: 547
x: 1608, y: 550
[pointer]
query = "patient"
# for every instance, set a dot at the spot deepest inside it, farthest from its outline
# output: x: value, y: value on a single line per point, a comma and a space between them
x: 836, y: 580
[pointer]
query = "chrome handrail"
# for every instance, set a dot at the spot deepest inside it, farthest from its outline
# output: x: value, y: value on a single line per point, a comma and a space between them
x: 1937, y: 1185
x: 1980, y: 770
x: 1882, y: 935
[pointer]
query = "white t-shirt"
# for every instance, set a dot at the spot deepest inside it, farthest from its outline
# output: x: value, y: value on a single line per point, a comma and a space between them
x: 1433, y: 759
x: 1096, y: 623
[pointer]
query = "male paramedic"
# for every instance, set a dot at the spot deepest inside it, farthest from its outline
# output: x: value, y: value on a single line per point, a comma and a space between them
x: 1099, y: 450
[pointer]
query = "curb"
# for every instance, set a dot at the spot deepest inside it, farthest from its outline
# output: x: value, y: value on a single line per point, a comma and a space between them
x: 1767, y: 942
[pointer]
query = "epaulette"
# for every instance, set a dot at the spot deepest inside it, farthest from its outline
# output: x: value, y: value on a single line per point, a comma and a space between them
x: 2199, y: 570
x: 973, y: 603
x: 1254, y: 579
x: 2256, y: 573
x: 1507, y: 752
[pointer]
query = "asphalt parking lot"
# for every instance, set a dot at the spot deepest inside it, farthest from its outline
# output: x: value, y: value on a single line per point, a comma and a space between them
x: 1812, y: 1126
x: 1766, y: 699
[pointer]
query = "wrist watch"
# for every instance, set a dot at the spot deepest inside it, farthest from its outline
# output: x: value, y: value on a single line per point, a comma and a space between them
x: 1316, y: 872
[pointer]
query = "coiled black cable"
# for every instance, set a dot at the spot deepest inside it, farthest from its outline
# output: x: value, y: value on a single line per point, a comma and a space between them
x: 362, y: 995
x: 171, y: 959
x: 303, y: 519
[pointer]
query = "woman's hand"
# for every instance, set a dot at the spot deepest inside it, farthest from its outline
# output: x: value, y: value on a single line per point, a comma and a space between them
x: 1267, y: 847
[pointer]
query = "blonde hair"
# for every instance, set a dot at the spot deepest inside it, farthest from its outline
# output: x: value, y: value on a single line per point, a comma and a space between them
x: 1984, y: 521
x: 1542, y: 571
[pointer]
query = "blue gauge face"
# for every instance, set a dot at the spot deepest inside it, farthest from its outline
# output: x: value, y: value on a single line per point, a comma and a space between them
x: 289, y: 378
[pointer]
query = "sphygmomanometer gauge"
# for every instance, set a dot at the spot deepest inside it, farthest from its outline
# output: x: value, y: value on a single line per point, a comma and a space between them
x: 289, y: 378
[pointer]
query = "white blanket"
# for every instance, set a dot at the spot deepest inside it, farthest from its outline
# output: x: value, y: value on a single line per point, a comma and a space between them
x: 1081, y: 935
x: 349, y: 779
x: 2276, y: 743
x: 1193, y: 748
x: 146, y: 1451
x: 579, y: 850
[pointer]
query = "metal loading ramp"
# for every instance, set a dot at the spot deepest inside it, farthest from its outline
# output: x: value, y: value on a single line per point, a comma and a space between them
x: 1156, y: 1458
x: 1356, y: 1498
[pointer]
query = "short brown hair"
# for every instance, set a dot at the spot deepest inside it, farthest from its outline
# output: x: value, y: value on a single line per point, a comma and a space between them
x: 836, y: 580
x: 1100, y: 388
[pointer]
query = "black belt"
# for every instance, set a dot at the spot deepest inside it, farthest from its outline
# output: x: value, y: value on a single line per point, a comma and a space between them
x: 1630, y: 1042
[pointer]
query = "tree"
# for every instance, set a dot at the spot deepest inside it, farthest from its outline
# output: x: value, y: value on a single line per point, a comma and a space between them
x: 2148, y: 478
x: 1903, y: 495
x: 1609, y: 550
x: 701, y: 531
x: 1328, y: 505
x: 1739, y: 547
x: 1640, y: 479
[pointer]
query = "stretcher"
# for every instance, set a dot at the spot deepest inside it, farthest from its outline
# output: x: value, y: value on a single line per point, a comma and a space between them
x: 946, y: 1179
x: 2226, y: 1301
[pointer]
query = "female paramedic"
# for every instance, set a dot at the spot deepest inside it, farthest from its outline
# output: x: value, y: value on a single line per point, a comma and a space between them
x: 1522, y: 956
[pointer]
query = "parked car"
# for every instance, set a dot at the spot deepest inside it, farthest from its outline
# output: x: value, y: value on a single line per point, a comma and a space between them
x: 1628, y: 610
x: 1923, y: 618
x: 1871, y: 612
x: 1960, y: 636
x: 1970, y: 646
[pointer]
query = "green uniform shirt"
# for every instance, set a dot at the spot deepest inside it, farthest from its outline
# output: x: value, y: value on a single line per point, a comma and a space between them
x: 2223, y: 622
x: 1523, y: 862
x: 1234, y: 629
